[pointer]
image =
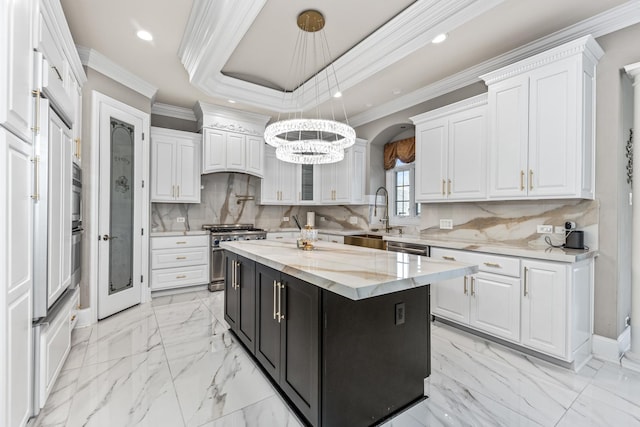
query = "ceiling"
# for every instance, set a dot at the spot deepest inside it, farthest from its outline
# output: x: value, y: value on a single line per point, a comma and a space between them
x: 242, y: 49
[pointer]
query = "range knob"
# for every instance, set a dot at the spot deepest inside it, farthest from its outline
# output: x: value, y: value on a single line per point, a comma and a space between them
x: 216, y: 242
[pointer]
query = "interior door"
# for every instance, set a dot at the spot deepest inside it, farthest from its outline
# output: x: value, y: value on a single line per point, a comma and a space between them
x: 119, y: 218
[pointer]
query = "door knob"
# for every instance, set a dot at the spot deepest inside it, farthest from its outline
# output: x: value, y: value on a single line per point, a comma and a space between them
x: 107, y: 237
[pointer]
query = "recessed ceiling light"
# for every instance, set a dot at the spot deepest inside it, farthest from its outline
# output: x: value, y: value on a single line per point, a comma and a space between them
x: 439, y: 38
x: 368, y: 105
x: 397, y: 91
x: 337, y: 94
x: 144, y: 35
x: 232, y: 101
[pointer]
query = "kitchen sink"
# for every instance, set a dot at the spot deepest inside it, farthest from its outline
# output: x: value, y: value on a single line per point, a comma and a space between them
x: 366, y: 240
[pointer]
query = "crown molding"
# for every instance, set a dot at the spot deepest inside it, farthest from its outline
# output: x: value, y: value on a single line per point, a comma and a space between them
x: 599, y: 25
x: 465, y: 104
x: 52, y: 12
x: 633, y: 70
x: 167, y: 110
x: 214, y: 30
x: 97, y: 61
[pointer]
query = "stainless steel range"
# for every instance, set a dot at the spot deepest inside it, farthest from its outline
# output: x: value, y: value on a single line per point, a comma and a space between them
x: 225, y: 233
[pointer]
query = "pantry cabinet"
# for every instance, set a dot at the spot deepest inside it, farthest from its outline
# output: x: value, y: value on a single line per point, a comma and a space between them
x: 175, y: 166
x: 451, y: 152
x: 541, y: 124
x: 16, y: 265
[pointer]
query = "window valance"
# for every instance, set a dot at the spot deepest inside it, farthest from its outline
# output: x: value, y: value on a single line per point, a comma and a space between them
x: 403, y: 149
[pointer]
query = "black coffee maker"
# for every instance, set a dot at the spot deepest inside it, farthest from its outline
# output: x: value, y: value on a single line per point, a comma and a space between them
x: 574, y: 239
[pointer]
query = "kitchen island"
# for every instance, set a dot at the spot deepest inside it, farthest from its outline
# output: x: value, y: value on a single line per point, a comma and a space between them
x: 342, y: 331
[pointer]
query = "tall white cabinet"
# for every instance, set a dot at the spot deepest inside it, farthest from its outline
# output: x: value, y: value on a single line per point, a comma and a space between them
x: 175, y: 166
x: 541, y: 124
x: 16, y: 269
x: 16, y: 215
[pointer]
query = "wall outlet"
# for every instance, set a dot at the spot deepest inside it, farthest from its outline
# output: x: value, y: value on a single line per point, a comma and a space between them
x: 285, y: 219
x: 543, y: 228
x: 353, y: 219
x: 558, y: 229
x: 323, y: 218
x: 180, y: 219
x: 446, y: 224
x: 400, y: 313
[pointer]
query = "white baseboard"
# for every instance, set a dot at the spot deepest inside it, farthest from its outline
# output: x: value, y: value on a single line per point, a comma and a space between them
x: 609, y: 349
x: 85, y: 317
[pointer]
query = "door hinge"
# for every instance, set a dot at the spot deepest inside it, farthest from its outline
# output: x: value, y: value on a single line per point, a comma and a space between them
x: 142, y: 231
x: 141, y: 279
x: 142, y: 183
x: 143, y: 136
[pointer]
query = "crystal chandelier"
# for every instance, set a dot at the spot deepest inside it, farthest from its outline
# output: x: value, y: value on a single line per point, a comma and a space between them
x: 311, y: 139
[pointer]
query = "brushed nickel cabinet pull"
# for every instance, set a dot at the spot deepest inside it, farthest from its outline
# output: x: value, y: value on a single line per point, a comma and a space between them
x: 181, y: 243
x: 473, y: 281
x: 280, y: 288
x: 238, y: 271
x: 57, y: 72
x: 181, y: 257
x: 530, y: 179
x: 526, y: 273
x: 233, y: 273
x: 492, y: 264
x: 181, y: 276
x: 178, y: 191
x: 521, y: 180
x: 465, y: 285
x: 448, y: 258
x: 36, y: 172
x: 36, y: 125
x: 274, y: 300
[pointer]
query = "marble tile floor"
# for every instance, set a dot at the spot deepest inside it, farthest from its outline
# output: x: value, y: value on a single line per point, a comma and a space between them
x: 172, y: 362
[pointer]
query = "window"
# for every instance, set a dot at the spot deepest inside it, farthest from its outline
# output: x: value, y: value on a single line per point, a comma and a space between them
x: 402, y: 204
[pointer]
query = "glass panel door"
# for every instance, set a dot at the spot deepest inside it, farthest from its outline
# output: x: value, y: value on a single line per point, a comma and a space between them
x: 307, y: 183
x: 121, y: 207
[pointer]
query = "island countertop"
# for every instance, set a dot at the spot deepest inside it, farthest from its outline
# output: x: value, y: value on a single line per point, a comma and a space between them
x: 351, y: 271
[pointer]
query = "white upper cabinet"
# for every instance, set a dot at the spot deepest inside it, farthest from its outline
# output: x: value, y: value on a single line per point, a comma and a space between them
x: 278, y: 186
x: 16, y: 66
x: 232, y: 139
x: 541, y: 124
x: 343, y: 182
x: 175, y: 166
x: 451, y: 152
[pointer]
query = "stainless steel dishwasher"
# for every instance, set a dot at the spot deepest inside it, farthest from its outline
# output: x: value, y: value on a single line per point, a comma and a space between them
x: 408, y: 248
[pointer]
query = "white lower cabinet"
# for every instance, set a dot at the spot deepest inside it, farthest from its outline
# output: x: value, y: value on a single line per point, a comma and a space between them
x: 178, y: 261
x: 545, y: 306
x: 335, y: 238
x: 54, y: 347
x: 487, y: 301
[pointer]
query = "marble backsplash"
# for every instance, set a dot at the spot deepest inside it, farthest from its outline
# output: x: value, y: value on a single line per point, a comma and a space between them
x: 222, y: 202
x: 508, y: 222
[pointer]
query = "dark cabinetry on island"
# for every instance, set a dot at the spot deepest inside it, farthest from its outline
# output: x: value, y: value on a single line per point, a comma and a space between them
x: 340, y: 362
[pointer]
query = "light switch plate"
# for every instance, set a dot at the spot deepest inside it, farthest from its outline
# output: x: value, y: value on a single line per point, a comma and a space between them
x: 285, y: 219
x: 353, y: 219
x: 180, y: 219
x: 446, y: 224
x: 545, y: 229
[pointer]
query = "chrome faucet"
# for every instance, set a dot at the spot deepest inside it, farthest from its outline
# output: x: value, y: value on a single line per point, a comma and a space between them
x: 385, y: 218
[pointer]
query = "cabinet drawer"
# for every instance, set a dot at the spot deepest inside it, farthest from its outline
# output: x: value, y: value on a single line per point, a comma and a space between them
x: 173, y: 242
x: 331, y: 238
x: 181, y: 276
x: 165, y: 258
x: 497, y: 264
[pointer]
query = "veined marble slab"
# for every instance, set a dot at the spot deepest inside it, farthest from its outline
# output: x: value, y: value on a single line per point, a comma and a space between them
x: 351, y: 271
x: 544, y: 253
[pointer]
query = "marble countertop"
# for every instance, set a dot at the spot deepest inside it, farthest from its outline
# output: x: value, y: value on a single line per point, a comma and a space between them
x: 179, y: 233
x: 351, y: 271
x: 537, y: 252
